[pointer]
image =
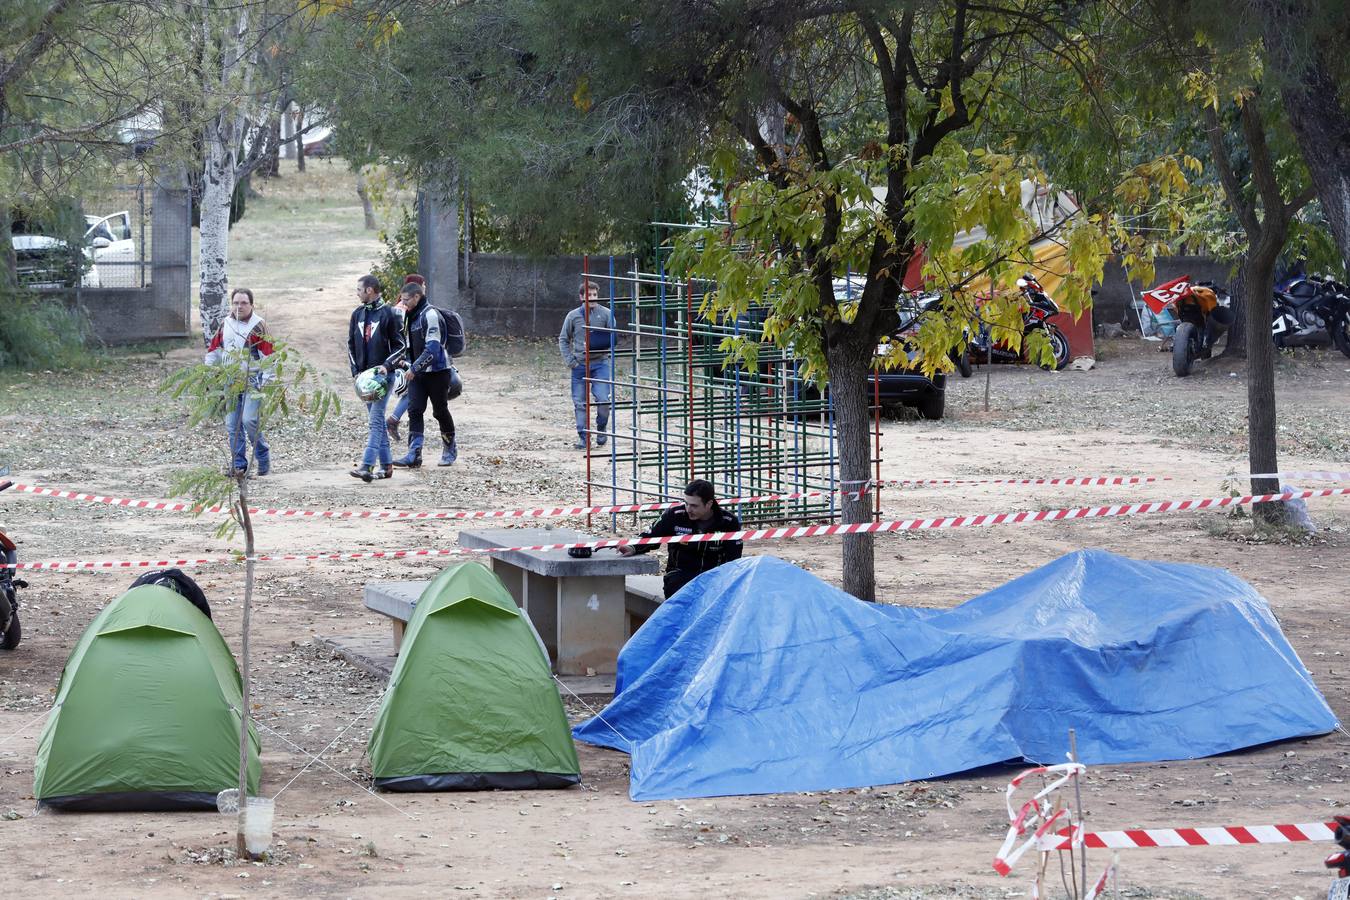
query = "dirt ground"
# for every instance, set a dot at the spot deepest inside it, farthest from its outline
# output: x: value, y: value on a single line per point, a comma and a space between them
x: 107, y: 430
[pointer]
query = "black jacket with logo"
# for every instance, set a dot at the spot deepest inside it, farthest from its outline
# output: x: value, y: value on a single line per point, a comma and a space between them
x: 699, y: 556
x: 375, y: 337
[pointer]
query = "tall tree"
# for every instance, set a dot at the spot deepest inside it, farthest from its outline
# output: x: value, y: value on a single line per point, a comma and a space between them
x: 239, y: 93
x: 1304, y: 42
x: 869, y: 177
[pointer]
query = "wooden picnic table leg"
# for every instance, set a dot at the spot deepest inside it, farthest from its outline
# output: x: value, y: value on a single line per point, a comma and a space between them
x: 590, y: 624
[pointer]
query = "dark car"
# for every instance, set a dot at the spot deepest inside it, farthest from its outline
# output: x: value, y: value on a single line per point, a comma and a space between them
x: 904, y: 385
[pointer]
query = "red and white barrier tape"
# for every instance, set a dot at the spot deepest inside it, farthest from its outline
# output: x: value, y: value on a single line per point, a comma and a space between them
x: 542, y: 512
x: 1215, y: 836
x: 545, y: 512
x: 761, y: 534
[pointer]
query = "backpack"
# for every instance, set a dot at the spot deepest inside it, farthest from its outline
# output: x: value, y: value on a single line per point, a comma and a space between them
x: 456, y: 340
x: 177, y: 581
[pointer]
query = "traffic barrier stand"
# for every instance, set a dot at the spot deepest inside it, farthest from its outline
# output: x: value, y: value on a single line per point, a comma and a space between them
x: 1039, y: 824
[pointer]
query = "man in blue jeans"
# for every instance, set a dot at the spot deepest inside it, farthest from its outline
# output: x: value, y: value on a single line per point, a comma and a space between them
x: 375, y: 340
x: 243, y: 336
x: 589, y: 327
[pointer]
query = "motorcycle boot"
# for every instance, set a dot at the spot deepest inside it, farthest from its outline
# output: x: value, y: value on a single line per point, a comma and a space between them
x: 450, y: 452
x: 413, y: 458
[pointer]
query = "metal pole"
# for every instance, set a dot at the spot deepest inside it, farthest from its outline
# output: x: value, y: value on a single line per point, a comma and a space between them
x: 586, y: 373
x: 689, y: 375
x: 1078, y: 810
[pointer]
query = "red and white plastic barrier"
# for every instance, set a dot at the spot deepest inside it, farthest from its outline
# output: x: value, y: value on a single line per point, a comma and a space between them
x: 761, y: 534
x: 545, y: 512
x: 1215, y: 836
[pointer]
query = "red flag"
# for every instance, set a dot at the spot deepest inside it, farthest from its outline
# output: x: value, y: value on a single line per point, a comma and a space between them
x: 1164, y: 295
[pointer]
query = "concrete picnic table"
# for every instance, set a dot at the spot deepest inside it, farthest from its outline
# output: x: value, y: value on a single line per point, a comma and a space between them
x: 577, y: 605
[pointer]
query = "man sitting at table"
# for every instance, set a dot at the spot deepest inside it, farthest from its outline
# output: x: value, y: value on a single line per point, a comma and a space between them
x: 700, y: 514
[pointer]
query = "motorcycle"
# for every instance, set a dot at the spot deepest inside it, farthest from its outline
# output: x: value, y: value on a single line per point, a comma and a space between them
x: 1311, y: 310
x: 1340, y: 861
x: 1035, y: 316
x: 10, y: 631
x: 1203, y: 311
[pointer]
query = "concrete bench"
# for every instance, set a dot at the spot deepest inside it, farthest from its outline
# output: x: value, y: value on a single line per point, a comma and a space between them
x: 642, y: 594
x: 398, y: 599
x: 581, y: 609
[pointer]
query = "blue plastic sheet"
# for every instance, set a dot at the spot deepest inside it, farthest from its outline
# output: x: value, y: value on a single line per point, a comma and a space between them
x: 757, y: 678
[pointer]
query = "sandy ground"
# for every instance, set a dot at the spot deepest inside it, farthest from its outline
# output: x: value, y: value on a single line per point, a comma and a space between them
x: 932, y: 839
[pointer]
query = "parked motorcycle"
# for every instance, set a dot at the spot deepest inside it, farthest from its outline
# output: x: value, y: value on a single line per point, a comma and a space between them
x: 1340, y: 861
x: 1203, y: 311
x: 1035, y: 316
x: 10, y: 631
x: 1311, y: 310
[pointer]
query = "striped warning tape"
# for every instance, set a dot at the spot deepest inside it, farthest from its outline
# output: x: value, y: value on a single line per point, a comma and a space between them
x: 760, y: 534
x: 545, y: 512
x: 1216, y: 836
x: 540, y: 512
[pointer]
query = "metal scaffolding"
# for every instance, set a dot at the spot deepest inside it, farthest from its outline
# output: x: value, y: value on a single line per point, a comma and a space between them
x: 679, y: 410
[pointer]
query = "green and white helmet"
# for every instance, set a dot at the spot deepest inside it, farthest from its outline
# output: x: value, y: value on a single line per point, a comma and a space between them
x: 370, y: 384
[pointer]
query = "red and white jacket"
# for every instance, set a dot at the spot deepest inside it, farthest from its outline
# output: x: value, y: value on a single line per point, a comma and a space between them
x: 250, y: 335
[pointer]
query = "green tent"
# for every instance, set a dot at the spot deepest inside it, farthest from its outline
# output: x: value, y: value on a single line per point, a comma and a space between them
x: 145, y: 715
x: 471, y: 703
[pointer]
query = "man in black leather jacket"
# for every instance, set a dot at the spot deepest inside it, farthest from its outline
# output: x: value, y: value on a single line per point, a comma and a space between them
x: 700, y: 514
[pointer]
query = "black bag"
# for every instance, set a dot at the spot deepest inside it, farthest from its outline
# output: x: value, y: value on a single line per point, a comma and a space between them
x: 456, y: 340
x: 176, y: 581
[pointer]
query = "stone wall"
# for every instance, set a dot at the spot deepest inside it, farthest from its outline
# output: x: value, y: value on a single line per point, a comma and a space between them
x: 129, y: 315
x: 1112, y: 301
x: 520, y: 296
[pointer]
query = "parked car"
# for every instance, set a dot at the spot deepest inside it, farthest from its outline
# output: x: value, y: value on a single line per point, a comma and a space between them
x: 114, y: 250
x: 905, y: 385
x: 46, y: 262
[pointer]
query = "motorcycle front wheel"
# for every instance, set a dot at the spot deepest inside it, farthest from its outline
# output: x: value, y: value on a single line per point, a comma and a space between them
x: 1059, y: 346
x: 1181, y: 349
x: 962, y: 361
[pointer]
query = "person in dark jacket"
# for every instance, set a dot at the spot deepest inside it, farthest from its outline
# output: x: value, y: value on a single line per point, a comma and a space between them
x: 375, y: 340
x: 700, y: 514
x: 433, y: 339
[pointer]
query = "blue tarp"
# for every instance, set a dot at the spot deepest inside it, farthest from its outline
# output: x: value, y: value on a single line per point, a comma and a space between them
x: 758, y: 677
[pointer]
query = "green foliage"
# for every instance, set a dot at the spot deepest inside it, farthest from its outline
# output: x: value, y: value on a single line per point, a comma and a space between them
x: 41, y: 332
x: 560, y: 153
x: 399, y: 258
x: 289, y: 387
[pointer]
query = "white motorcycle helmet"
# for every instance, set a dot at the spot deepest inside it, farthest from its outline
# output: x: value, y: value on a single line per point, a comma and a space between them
x: 370, y: 385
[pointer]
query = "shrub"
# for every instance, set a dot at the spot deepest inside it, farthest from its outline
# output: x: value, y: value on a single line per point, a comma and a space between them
x: 40, y: 332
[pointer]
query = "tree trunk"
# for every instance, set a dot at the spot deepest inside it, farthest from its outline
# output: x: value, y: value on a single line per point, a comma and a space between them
x: 367, y: 208
x: 271, y: 165
x: 849, y: 365
x: 241, y: 848
x: 1318, y: 118
x: 300, y: 138
x: 214, y: 252
x: 1235, y: 345
x: 9, y: 263
x: 1262, y: 455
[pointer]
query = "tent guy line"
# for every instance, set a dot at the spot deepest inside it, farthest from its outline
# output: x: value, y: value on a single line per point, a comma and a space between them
x: 981, y: 520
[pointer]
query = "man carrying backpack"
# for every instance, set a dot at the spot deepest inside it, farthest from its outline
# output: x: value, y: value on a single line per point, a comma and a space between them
x: 433, y: 338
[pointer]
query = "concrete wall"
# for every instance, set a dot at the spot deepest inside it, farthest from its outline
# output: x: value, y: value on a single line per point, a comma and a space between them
x: 520, y: 296
x: 128, y: 315
x: 1112, y: 302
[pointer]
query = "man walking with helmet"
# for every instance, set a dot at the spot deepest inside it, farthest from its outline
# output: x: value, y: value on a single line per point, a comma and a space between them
x: 375, y: 346
x: 432, y: 339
